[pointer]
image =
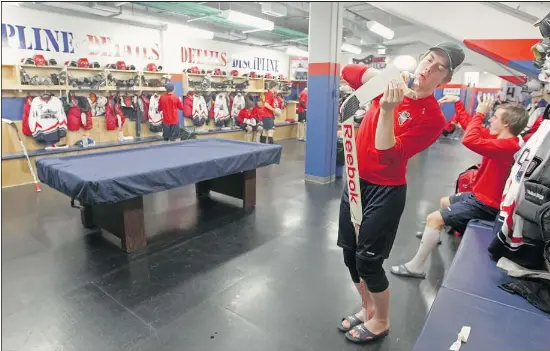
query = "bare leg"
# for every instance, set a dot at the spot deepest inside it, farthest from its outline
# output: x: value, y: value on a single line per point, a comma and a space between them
x: 445, y: 202
x: 259, y: 131
x: 380, y: 322
x: 367, y: 304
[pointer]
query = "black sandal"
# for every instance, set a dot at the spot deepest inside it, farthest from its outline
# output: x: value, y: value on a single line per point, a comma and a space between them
x: 352, y: 320
x: 365, y: 335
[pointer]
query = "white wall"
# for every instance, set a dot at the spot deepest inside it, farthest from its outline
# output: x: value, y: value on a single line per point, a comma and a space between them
x: 27, y: 32
x: 185, y: 52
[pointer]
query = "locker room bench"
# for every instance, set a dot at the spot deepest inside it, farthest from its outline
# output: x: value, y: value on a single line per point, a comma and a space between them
x: 470, y: 296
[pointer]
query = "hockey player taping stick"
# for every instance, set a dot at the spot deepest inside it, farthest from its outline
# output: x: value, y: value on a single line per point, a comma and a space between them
x: 397, y: 125
x: 348, y: 110
x: 12, y: 124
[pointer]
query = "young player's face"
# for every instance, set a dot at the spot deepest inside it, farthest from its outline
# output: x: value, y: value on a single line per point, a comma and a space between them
x: 432, y: 70
x: 496, y: 124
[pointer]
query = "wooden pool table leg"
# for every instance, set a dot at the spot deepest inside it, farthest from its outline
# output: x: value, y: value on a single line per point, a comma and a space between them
x: 239, y: 185
x: 124, y: 219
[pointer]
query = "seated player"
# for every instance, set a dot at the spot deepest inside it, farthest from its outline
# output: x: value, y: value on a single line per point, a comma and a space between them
x: 248, y: 120
x: 497, y: 145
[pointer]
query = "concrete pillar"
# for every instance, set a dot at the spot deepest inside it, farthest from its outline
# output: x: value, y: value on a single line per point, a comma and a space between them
x: 325, y: 40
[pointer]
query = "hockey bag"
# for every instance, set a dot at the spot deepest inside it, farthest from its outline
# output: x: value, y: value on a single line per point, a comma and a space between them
x: 466, y: 180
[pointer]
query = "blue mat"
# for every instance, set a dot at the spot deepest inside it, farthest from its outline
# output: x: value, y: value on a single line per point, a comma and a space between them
x: 473, y: 272
x: 495, y: 327
x: 113, y: 176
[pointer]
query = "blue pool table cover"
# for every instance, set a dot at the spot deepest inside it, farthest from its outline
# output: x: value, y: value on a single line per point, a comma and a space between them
x: 113, y: 176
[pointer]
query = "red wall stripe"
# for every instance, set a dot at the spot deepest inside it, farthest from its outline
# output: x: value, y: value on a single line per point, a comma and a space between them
x: 503, y: 50
x: 176, y: 77
x: 324, y: 69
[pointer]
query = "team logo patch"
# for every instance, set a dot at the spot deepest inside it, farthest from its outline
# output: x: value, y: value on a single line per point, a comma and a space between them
x: 404, y: 117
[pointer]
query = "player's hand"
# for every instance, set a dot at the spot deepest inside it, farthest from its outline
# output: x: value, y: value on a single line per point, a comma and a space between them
x: 393, y: 96
x: 409, y: 91
x: 485, y: 103
x: 448, y: 99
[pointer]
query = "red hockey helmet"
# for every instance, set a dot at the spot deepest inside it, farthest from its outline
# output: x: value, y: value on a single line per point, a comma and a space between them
x: 83, y: 63
x: 195, y: 70
x: 152, y: 67
x: 39, y: 60
x: 235, y: 73
x: 121, y: 65
x: 217, y: 72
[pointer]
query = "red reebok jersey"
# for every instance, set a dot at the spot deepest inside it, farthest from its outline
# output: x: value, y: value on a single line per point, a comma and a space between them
x: 497, y: 161
x: 168, y: 105
x: 417, y: 124
x: 269, y: 99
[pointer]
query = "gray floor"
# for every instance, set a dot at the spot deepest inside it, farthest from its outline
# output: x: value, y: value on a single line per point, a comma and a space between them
x: 213, y: 277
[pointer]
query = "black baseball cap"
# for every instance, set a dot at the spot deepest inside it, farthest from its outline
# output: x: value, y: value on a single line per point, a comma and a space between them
x: 453, y: 51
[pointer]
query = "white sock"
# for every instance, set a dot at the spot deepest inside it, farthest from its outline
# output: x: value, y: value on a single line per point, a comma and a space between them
x: 430, y: 238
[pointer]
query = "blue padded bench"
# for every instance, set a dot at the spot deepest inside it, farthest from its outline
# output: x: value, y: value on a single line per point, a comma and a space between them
x: 470, y: 296
x: 43, y: 152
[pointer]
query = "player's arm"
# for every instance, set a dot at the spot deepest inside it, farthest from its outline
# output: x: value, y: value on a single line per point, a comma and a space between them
x: 461, y: 115
x: 476, y: 138
x: 357, y: 75
x: 179, y: 104
x: 414, y: 140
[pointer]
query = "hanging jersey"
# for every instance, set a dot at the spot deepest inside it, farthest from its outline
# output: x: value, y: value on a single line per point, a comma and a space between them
x: 155, y: 116
x: 188, y: 106
x: 25, y: 119
x: 47, y: 120
x: 238, y: 105
x: 200, y: 110
x: 100, y: 105
x: 221, y: 110
x: 511, y: 225
x: 144, y: 105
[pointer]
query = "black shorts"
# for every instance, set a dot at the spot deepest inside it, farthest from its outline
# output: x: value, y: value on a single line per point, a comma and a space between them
x: 268, y: 123
x: 170, y: 131
x: 301, y: 116
x: 464, y: 208
x: 382, y: 209
x: 246, y: 125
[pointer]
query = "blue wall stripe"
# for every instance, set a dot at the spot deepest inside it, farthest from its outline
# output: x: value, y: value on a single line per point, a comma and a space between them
x: 322, y: 123
x: 12, y: 108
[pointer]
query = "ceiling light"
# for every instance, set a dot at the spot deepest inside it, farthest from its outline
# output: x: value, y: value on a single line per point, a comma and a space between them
x: 351, y: 48
x: 405, y: 63
x: 294, y: 51
x: 381, y: 30
x: 247, y: 20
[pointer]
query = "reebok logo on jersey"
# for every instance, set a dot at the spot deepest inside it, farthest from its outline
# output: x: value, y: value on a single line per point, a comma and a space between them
x: 404, y: 117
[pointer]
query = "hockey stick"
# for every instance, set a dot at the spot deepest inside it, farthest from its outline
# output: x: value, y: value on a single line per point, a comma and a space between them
x: 12, y: 123
x: 350, y: 106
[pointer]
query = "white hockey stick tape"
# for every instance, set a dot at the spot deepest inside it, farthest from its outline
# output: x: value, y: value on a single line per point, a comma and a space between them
x: 373, y: 88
